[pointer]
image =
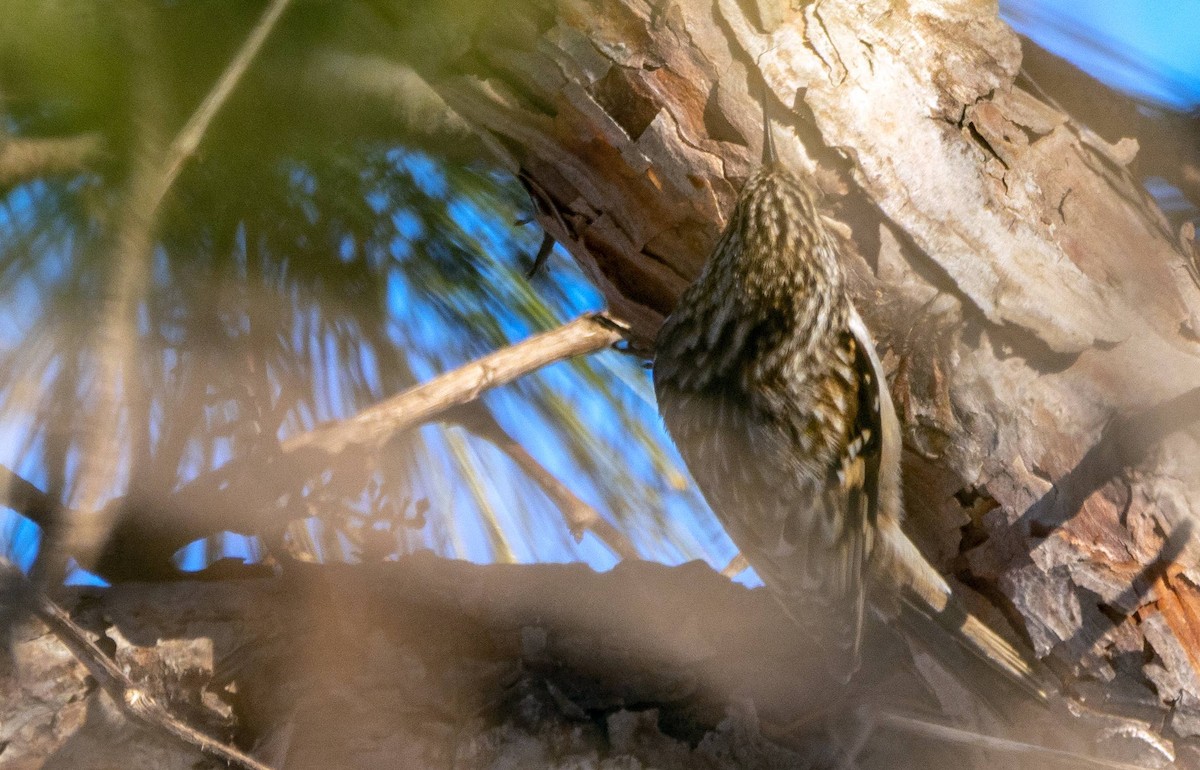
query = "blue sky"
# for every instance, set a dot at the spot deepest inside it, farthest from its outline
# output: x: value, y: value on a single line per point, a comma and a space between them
x: 1148, y: 48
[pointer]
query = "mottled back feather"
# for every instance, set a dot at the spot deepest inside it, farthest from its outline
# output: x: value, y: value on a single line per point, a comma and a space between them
x: 771, y: 400
x: 769, y: 384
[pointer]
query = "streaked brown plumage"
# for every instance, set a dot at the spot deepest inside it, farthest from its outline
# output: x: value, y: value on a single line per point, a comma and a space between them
x: 769, y: 383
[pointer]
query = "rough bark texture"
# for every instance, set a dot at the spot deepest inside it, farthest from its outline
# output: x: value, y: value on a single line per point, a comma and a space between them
x: 1038, y: 317
x: 433, y: 663
x: 1037, y: 312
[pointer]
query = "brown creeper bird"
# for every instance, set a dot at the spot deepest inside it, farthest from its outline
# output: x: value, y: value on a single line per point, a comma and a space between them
x: 769, y: 384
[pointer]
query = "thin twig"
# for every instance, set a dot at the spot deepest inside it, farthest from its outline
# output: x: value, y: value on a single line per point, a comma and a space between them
x: 580, y: 516
x: 376, y: 425
x: 942, y: 732
x: 465, y: 456
x: 415, y: 406
x: 538, y: 195
x: 132, y: 699
x: 543, y: 254
x: 188, y: 138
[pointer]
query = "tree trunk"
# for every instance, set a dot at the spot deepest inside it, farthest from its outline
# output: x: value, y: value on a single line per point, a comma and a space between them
x: 1038, y: 315
x: 1035, y: 310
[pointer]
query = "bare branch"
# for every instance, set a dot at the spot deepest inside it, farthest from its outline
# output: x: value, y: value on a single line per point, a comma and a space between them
x: 132, y: 699
x: 146, y: 536
x: 25, y: 498
x: 580, y: 516
x: 307, y: 453
x: 116, y: 337
x: 415, y: 406
x: 189, y: 136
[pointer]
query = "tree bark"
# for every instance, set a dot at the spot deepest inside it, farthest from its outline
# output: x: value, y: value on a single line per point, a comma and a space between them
x: 1037, y: 315
x: 434, y: 663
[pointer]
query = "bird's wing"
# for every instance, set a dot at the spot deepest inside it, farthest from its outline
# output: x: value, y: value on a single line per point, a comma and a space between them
x: 857, y: 476
x: 922, y: 588
x: 883, y: 416
x: 817, y: 534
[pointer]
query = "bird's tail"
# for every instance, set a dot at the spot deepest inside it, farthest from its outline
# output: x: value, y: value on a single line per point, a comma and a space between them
x: 928, y: 595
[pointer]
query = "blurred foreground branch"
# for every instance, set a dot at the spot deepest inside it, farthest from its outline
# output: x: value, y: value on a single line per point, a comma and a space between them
x: 429, y: 662
x: 188, y: 139
x: 134, y: 701
x: 84, y: 528
x: 147, y: 534
x: 25, y: 159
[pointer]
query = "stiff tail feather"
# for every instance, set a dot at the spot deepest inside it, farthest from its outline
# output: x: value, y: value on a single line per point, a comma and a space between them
x: 986, y: 645
x: 928, y: 595
x: 915, y: 725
